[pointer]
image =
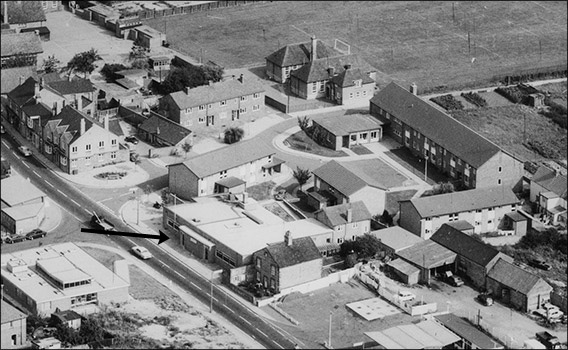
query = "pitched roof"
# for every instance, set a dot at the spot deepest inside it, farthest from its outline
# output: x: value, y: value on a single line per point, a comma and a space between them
x: 25, y: 211
x: 514, y: 277
x: 75, y: 86
x: 41, y: 30
x: 337, y: 214
x: 436, y: 125
x: 339, y: 177
x: 403, y: 266
x: 348, y: 77
x: 427, y: 254
x: 468, y: 331
x: 20, y: 43
x: 67, y: 315
x: 24, y: 11
x: 37, y: 109
x: 11, y: 77
x: 169, y: 130
x: 227, y: 157
x: 216, y: 92
x: 10, y: 313
x: 70, y: 119
x: 462, y: 225
x: 461, y: 201
x: 345, y: 124
x: 23, y: 93
x: 551, y: 180
x: 464, y: 245
x: 318, y: 69
x: 299, y: 53
x: 396, y: 237
x: 302, y: 250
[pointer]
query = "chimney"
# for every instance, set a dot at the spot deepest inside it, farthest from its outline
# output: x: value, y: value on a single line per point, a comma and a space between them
x: 41, y: 82
x: 79, y: 103
x: 187, y: 90
x: 82, y: 126
x: 22, y: 79
x: 106, y: 122
x: 331, y: 71
x: 245, y: 197
x: 233, y: 77
x: 54, y: 109
x: 157, y: 130
x: 313, y: 55
x: 349, y: 215
x: 347, y: 66
x: 414, y: 89
x: 36, y: 89
x: 288, y: 239
x: 242, y: 79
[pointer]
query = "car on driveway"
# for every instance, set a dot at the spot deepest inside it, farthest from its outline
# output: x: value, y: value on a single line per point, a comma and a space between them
x: 485, y: 299
x: 37, y: 233
x: 131, y: 139
x: 141, y: 252
x: 451, y: 279
x: 539, y: 264
x: 25, y: 150
x: 404, y: 295
x: 15, y: 239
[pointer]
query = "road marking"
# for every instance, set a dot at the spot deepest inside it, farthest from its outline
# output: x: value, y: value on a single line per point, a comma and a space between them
x: 74, y: 202
x: 47, y: 182
x: 261, y: 332
x: 62, y: 193
x: 166, y: 265
x: 38, y: 175
x: 195, y: 285
x: 245, y: 320
x: 280, y: 346
x: 17, y: 156
x: 88, y: 212
x: 129, y: 240
x: 180, y: 275
x: 217, y: 300
x: 5, y: 144
x: 103, y: 200
x: 26, y: 165
x: 124, y: 194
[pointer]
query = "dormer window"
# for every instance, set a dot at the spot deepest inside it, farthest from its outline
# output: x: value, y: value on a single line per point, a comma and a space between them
x: 358, y: 82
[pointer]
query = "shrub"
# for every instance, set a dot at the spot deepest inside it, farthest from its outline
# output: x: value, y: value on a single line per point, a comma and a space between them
x: 475, y: 99
x: 448, y: 102
x: 513, y: 94
x: 556, y: 112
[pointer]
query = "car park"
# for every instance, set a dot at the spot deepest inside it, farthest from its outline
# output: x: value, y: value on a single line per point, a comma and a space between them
x: 37, y: 233
x: 131, y: 139
x: 141, y: 252
x: 25, y: 151
x: 539, y: 264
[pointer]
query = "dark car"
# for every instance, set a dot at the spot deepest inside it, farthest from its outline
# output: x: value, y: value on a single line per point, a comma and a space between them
x: 15, y: 239
x: 37, y: 233
x: 485, y: 299
x: 539, y: 264
x: 131, y: 139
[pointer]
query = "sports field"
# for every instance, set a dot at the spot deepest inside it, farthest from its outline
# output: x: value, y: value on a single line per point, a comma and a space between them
x: 423, y: 42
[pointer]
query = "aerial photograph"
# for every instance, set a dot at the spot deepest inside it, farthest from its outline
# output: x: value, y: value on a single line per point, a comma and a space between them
x: 284, y: 174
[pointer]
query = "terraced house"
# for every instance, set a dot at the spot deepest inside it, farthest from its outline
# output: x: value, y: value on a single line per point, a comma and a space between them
x: 215, y: 106
x: 450, y: 146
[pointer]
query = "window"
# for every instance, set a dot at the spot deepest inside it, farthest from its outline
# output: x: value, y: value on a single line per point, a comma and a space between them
x: 14, y: 337
x: 101, y: 144
x: 314, y: 87
x: 113, y: 142
x: 73, y: 163
x: 230, y: 261
x: 223, y: 103
x: 256, y: 95
x: 328, y: 240
x: 255, y: 107
x: 209, y: 106
x: 202, y: 107
x: 428, y: 219
x: 173, y: 224
x: 201, y: 120
x: 63, y: 160
x: 223, y: 174
x: 350, y: 95
x: 272, y: 270
x: 47, y: 149
x: 88, y: 147
x: 243, y: 98
x: 321, y: 87
x: 112, y: 155
x: 87, y: 160
x: 242, y: 110
x: 477, y: 223
x: 500, y: 169
x: 340, y: 240
x: 364, y: 92
x: 258, y: 276
x: 357, y: 83
x: 188, y: 110
x: 358, y: 94
x: 258, y: 262
x: 453, y: 217
x: 498, y: 181
x: 354, y: 225
x: 272, y: 283
x: 513, y: 207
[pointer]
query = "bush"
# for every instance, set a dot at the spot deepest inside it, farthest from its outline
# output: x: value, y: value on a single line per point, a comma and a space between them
x: 556, y: 112
x: 448, y: 102
x: 513, y: 94
x: 475, y: 99
x: 543, y: 148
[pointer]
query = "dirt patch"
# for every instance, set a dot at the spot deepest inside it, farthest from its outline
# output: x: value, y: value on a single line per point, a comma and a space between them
x: 276, y: 209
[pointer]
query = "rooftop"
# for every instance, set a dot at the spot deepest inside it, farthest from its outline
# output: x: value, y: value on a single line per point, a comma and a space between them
x: 16, y: 190
x: 551, y: 180
x: 20, y: 12
x: 337, y: 215
x: 300, y: 53
x: 423, y: 335
x: 346, y: 124
x: 468, y: 331
x: 20, y: 43
x: 9, y: 313
x: 302, y: 250
x: 428, y: 254
x: 164, y: 128
x: 318, y: 69
x: 463, y: 201
x: 21, y: 212
x: 348, y: 77
x: 515, y: 277
x: 339, y: 177
x: 396, y: 237
x: 75, y: 86
x: 11, y: 77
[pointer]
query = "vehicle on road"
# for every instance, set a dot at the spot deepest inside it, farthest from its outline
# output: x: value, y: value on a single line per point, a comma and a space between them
x: 25, y: 150
x: 37, y: 233
x: 548, y: 340
x: 98, y: 221
x: 131, y: 139
x: 6, y: 168
x: 485, y: 299
x: 15, y: 239
x: 141, y: 252
x: 539, y: 264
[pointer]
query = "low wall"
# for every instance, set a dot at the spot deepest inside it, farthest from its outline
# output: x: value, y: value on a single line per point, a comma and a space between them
x: 275, y: 104
x: 163, y: 152
x: 423, y: 309
x: 559, y: 300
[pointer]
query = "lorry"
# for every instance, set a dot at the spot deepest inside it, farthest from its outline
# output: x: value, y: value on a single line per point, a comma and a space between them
x: 548, y: 340
x: 98, y: 221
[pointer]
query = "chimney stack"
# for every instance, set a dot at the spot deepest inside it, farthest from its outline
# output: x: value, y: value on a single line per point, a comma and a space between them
x: 22, y: 79
x: 349, y: 215
x: 106, y: 122
x: 79, y: 103
x: 36, y: 89
x: 82, y: 126
x: 313, y: 55
x: 54, y: 109
x: 187, y: 90
x: 157, y: 130
x: 331, y: 71
x: 242, y: 79
x: 414, y: 89
x: 288, y: 239
x: 347, y: 66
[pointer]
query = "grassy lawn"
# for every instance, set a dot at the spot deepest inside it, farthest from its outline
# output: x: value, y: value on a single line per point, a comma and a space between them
x: 360, y: 150
x: 302, y: 142
x: 376, y: 172
x: 393, y: 198
x: 103, y: 256
x: 504, y: 126
x: 261, y: 191
x: 422, y: 42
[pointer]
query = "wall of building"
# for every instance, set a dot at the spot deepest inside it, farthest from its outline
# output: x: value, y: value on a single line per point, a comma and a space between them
x: 354, y: 95
x: 13, y: 334
x: 114, y: 295
x: 374, y: 199
x: 300, y: 273
x: 410, y: 220
x: 182, y: 182
x: 500, y: 169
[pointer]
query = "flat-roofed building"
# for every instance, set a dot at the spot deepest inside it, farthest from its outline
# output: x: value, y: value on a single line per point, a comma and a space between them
x: 59, y: 276
x: 423, y: 335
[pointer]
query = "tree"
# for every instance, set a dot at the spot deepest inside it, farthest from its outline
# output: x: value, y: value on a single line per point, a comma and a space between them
x: 302, y: 176
x: 440, y: 188
x: 83, y: 62
x: 139, y: 57
x: 109, y: 71
x: 186, y: 147
x: 50, y: 64
x: 189, y: 76
x: 367, y: 245
x: 19, y: 60
x: 303, y: 123
x: 234, y: 134
x: 386, y: 218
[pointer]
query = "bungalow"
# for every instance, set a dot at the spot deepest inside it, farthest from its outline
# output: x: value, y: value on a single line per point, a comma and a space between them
x: 215, y: 106
x: 335, y: 184
x: 548, y: 191
x: 517, y: 287
x: 222, y: 170
x: 286, y: 264
x: 471, y: 336
x: 453, y: 148
x: 347, y: 130
x: 162, y: 131
x: 475, y: 258
x: 21, y: 46
x: 484, y: 208
x: 348, y: 221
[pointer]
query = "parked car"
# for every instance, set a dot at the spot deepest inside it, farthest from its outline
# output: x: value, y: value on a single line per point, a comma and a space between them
x: 37, y: 233
x: 404, y: 295
x: 549, y: 340
x: 539, y: 264
x: 141, y: 252
x: 131, y: 139
x: 280, y: 195
x: 550, y: 312
x: 15, y: 239
x: 451, y: 279
x: 485, y: 299
x: 26, y: 151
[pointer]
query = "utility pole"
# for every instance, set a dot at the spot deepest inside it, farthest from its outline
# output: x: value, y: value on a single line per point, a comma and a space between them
x: 468, y: 43
x: 329, y: 337
x: 211, y: 294
x: 426, y: 169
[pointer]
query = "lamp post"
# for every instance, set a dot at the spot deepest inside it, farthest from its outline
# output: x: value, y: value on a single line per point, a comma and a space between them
x: 134, y: 192
x: 211, y: 294
x: 425, y: 168
x: 329, y: 337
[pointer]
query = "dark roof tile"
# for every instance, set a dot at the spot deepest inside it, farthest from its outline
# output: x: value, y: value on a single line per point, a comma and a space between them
x: 299, y: 53
x: 464, y: 245
x: 302, y: 250
x: 515, y: 277
x: 76, y: 86
x: 169, y: 131
x: 20, y: 43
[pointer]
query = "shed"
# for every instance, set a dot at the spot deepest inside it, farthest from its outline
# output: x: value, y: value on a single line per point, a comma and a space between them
x: 394, y: 239
x: 430, y: 257
x: 424, y: 335
x: 407, y: 272
x: 516, y: 222
x: 471, y: 337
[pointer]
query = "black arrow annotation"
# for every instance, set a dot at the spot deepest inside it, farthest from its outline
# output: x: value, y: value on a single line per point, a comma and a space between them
x: 161, y: 238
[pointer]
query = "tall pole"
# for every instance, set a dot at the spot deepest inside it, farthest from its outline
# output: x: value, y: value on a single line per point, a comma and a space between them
x: 211, y: 294
x: 454, y: 12
x: 329, y: 337
x: 137, y: 208
x: 426, y: 169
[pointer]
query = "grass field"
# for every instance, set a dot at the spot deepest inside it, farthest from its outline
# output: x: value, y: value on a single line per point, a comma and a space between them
x: 422, y: 42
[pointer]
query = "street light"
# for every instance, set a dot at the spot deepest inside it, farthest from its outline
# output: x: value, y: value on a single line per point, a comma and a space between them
x: 134, y: 192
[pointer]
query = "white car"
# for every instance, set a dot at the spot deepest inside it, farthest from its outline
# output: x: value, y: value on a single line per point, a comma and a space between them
x: 141, y: 252
x: 406, y: 296
x: 25, y: 151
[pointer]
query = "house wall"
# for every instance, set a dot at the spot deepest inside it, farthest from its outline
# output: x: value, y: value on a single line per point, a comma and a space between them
x: 274, y: 72
x: 354, y: 95
x: 182, y: 182
x: 410, y: 220
x: 539, y: 295
x: 79, y: 161
x: 266, y: 269
x: 535, y: 191
x: 500, y: 169
x: 301, y: 273
x: 28, y: 224
x: 374, y: 198
x: 10, y: 329
x: 526, y: 303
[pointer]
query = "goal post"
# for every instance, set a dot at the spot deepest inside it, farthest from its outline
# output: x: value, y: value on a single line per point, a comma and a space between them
x: 342, y: 46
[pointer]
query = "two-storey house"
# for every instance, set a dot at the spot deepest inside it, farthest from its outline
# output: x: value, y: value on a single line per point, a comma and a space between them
x: 13, y: 328
x: 350, y: 86
x: 445, y: 143
x: 78, y: 93
x: 348, y: 221
x: 548, y: 191
x: 286, y: 264
x: 27, y: 93
x: 228, y: 169
x: 215, y: 106
x: 484, y: 208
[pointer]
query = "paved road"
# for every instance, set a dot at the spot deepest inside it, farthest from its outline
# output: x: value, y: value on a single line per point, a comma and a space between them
x: 81, y: 207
